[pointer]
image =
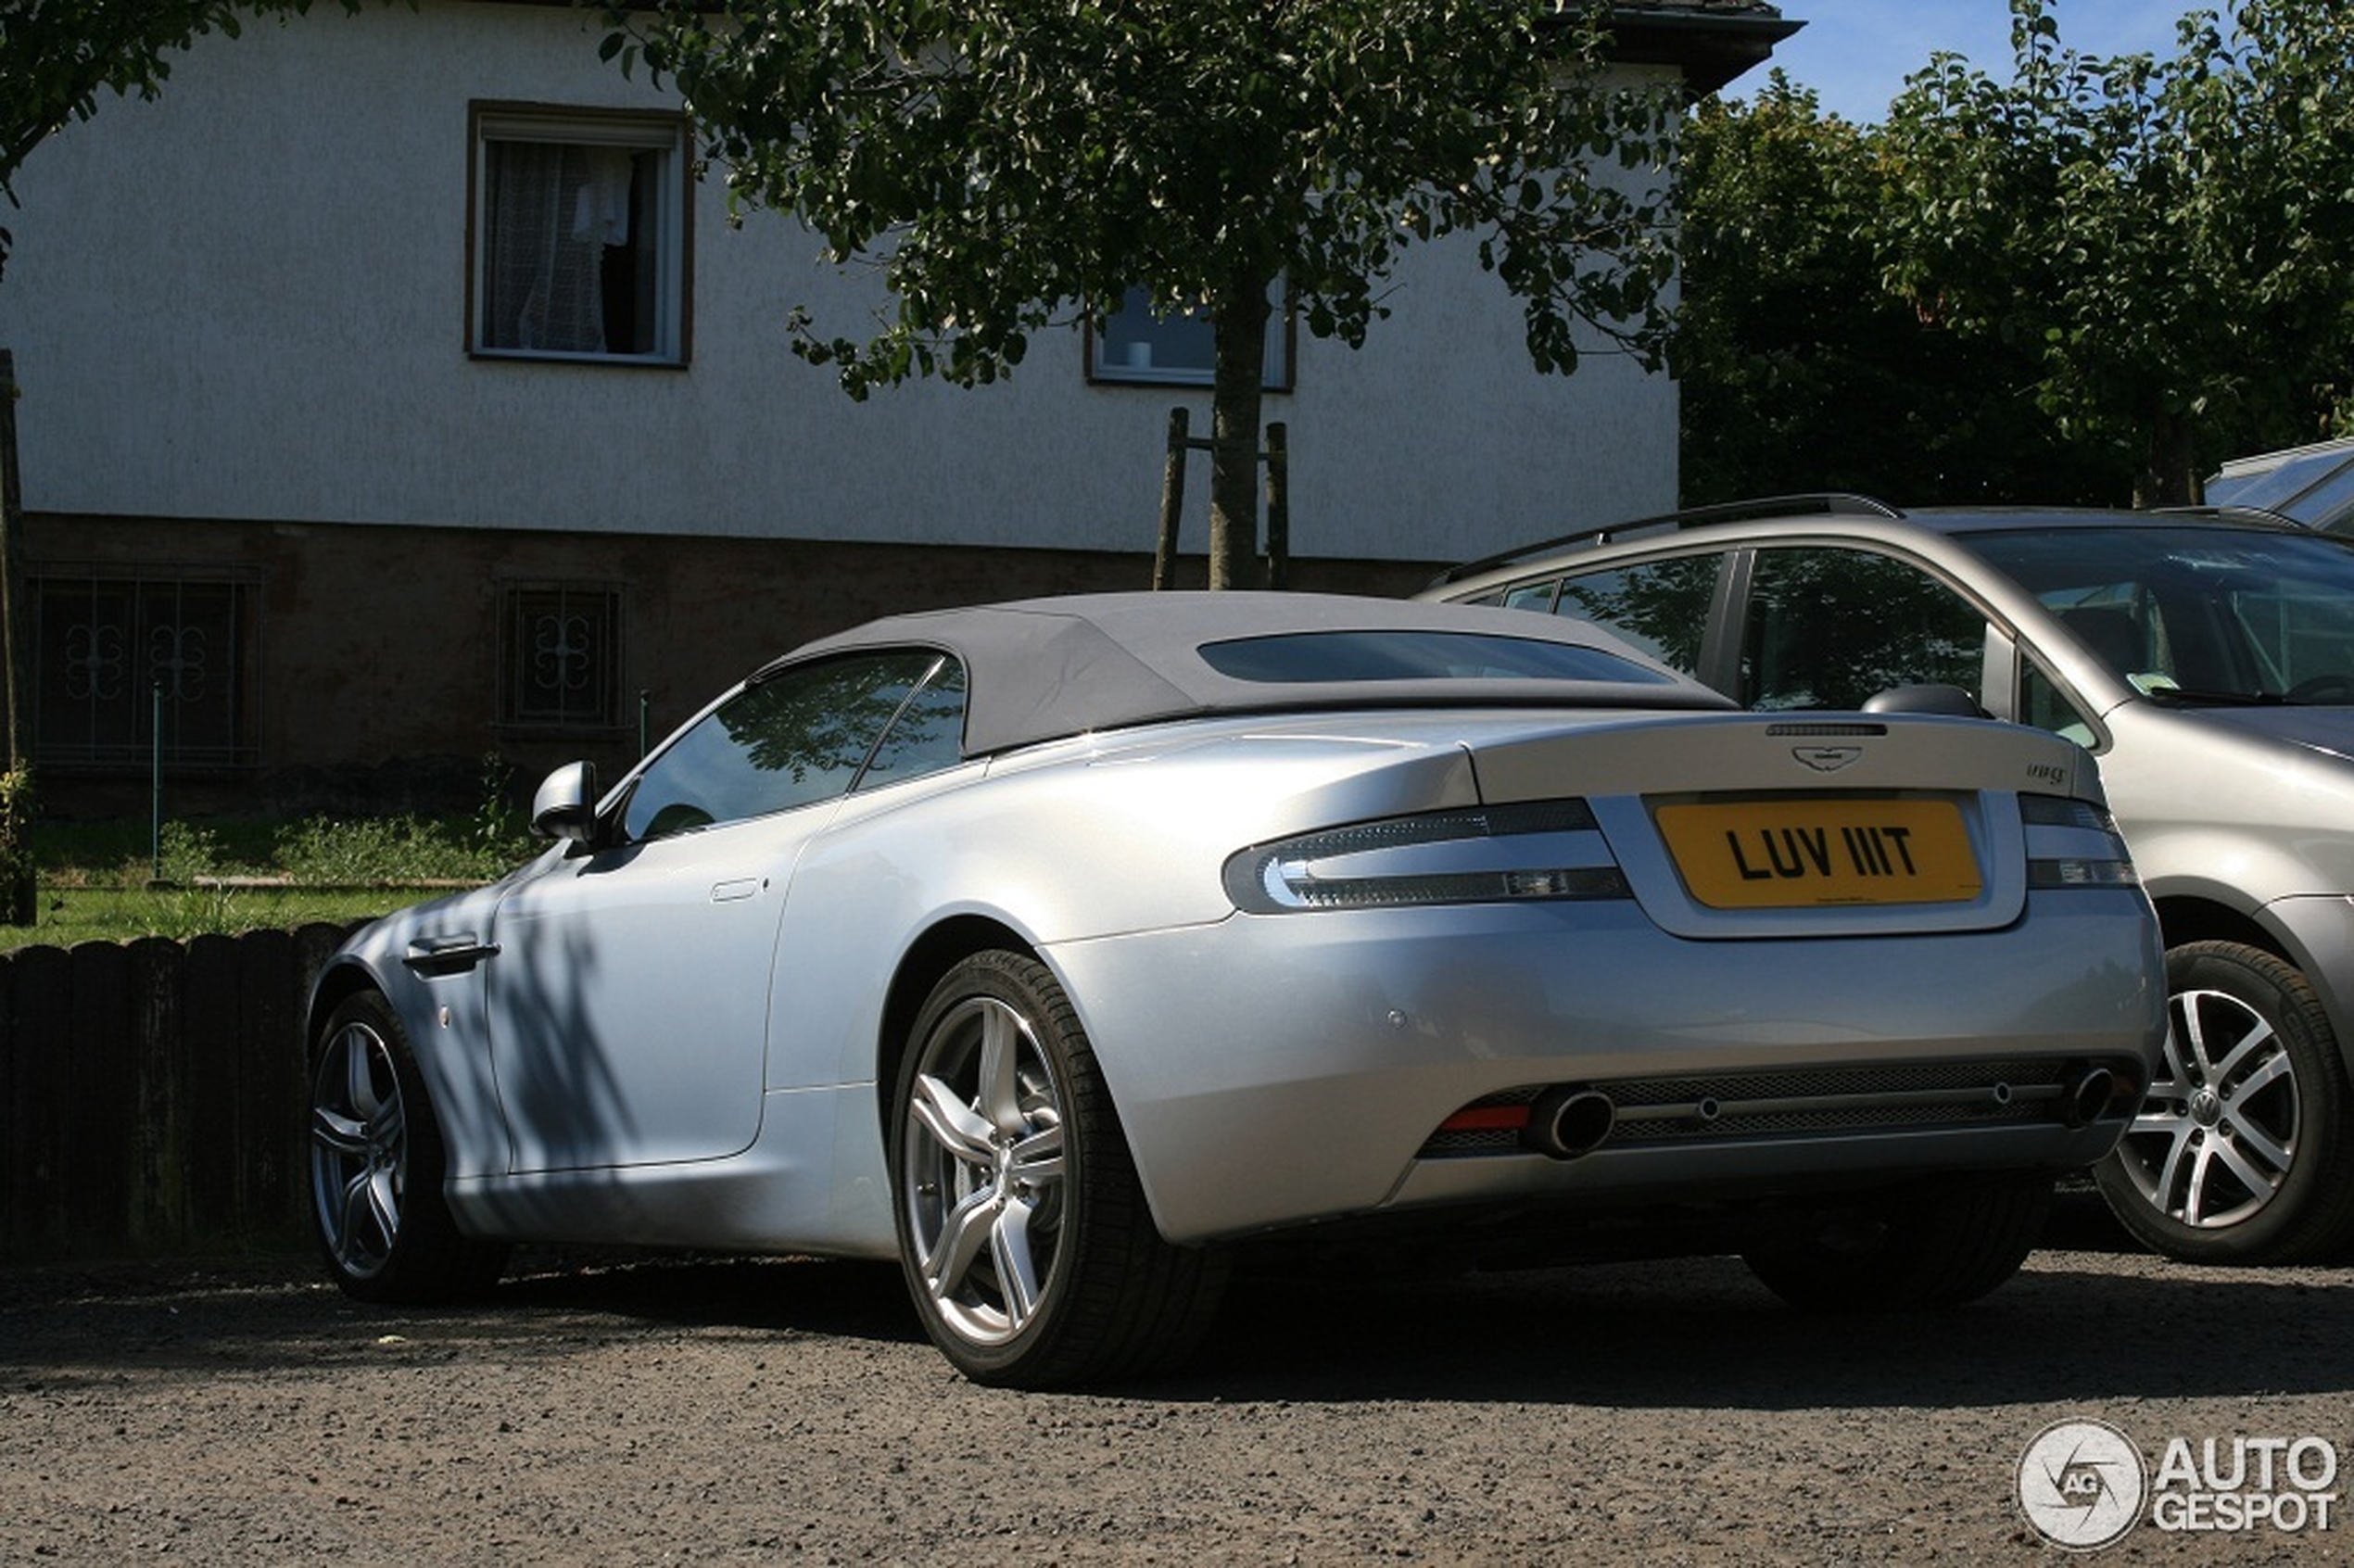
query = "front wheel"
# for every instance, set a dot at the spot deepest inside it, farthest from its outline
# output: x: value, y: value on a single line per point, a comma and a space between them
x: 2242, y: 1152
x: 1024, y: 1230
x: 377, y: 1163
x: 1951, y: 1247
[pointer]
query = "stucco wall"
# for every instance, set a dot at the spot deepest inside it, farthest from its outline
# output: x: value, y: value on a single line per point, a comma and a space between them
x: 244, y: 302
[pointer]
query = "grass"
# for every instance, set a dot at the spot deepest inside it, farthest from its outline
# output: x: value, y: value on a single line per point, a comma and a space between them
x: 104, y: 882
x: 69, y: 916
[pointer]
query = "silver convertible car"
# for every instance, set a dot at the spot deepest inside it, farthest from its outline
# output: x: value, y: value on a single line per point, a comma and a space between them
x: 1067, y: 950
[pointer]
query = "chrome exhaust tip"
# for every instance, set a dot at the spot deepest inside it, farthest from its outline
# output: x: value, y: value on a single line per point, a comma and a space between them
x: 1566, y: 1123
x: 2089, y: 1096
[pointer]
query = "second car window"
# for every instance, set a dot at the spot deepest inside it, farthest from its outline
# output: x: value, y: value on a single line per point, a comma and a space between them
x: 1830, y: 629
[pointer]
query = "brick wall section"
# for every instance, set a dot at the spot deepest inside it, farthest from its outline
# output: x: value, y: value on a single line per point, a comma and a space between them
x: 379, y: 643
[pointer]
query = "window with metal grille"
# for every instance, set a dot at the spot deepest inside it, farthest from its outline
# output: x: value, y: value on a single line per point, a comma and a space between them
x: 561, y: 648
x: 124, y: 667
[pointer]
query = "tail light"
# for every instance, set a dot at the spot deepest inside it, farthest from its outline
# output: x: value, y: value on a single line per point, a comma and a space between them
x: 2073, y: 843
x: 1544, y: 850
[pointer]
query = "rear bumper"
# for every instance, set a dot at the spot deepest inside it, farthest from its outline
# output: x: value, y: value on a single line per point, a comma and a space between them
x: 1283, y: 1071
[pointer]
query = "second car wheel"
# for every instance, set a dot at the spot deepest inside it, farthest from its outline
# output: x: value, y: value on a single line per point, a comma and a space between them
x: 1024, y: 1230
x: 2242, y: 1151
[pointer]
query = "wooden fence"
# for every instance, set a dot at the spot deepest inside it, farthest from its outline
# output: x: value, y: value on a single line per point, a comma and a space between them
x: 152, y: 1094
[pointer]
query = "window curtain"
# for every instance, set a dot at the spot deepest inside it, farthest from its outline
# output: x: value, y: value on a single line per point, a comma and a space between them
x: 553, y: 208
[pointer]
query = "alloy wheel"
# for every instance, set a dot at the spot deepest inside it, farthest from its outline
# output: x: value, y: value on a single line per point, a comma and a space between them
x: 2219, y: 1132
x: 983, y: 1170
x: 359, y: 1150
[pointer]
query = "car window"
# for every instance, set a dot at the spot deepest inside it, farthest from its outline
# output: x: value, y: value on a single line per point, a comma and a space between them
x: 2199, y: 615
x: 1374, y: 656
x: 2044, y: 703
x: 1660, y: 606
x: 799, y: 736
x: 1830, y: 629
x: 928, y: 733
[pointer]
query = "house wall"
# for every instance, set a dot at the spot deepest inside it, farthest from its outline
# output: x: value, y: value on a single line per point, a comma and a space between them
x: 245, y: 301
x: 380, y: 645
x: 238, y: 319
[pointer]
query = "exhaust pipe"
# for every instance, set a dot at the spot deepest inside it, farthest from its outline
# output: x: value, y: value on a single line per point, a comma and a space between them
x: 1567, y: 1123
x: 2089, y: 1095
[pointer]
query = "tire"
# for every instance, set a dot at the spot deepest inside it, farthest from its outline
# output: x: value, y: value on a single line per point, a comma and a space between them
x: 1955, y: 1247
x: 2241, y: 1153
x: 1024, y: 1230
x: 377, y: 1165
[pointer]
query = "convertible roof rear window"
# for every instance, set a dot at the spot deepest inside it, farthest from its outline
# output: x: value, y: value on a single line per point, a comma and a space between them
x: 1353, y: 656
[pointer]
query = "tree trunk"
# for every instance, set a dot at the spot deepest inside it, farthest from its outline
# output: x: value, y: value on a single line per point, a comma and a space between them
x: 20, y: 903
x: 1240, y: 318
x: 2169, y: 474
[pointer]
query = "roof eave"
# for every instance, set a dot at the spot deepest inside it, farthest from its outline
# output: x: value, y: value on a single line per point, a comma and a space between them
x: 1710, y: 48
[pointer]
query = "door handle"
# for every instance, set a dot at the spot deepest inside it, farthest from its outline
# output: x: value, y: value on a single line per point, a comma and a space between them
x: 448, y: 955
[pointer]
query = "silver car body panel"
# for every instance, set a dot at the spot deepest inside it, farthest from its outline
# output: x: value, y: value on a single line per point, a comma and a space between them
x: 1270, y: 1070
x: 2251, y: 811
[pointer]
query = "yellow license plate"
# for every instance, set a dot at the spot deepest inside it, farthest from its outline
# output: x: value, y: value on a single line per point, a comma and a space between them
x: 1792, y: 854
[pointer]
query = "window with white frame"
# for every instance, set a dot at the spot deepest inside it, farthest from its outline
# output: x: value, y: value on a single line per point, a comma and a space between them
x: 1135, y: 346
x: 560, y: 646
x: 578, y: 236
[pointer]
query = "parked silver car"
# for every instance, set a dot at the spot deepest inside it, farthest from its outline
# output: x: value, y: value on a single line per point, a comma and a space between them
x: 2207, y: 658
x: 1064, y: 949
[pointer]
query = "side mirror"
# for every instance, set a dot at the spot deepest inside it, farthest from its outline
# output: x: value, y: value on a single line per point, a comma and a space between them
x: 1950, y: 700
x: 565, y: 805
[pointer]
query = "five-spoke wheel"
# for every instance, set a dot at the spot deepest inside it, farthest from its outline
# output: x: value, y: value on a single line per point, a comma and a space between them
x: 1023, y: 1232
x: 358, y: 1150
x: 377, y: 1163
x: 984, y: 1170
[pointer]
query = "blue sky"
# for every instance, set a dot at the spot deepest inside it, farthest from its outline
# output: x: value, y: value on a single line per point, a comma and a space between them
x: 1857, y: 52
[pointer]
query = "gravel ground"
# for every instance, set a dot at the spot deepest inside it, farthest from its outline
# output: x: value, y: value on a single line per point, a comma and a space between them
x: 639, y: 1411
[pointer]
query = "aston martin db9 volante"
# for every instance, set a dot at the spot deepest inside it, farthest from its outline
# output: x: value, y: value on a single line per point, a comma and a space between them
x: 1067, y: 951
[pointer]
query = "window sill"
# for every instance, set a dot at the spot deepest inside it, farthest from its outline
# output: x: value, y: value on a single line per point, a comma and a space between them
x: 553, y: 357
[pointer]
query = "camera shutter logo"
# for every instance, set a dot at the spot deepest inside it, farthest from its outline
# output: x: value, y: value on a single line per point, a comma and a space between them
x: 2081, y: 1484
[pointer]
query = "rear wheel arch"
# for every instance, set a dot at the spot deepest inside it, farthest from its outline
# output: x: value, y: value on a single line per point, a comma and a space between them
x: 935, y: 953
x: 1029, y: 1248
x: 2186, y: 919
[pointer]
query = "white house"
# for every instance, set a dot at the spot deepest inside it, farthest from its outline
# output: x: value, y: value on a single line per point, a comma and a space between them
x: 331, y: 456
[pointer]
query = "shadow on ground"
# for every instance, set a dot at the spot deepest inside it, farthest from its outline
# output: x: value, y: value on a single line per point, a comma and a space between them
x: 2091, y: 1320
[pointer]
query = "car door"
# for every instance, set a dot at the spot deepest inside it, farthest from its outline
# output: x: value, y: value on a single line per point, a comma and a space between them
x: 629, y: 1000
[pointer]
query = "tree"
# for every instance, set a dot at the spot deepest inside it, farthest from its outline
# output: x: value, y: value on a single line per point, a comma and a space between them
x: 2171, y: 238
x: 1004, y: 165
x: 1802, y: 371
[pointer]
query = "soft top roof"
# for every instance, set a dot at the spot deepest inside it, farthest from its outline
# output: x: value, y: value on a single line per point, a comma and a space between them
x: 1044, y: 668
